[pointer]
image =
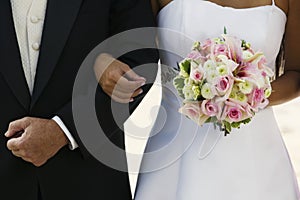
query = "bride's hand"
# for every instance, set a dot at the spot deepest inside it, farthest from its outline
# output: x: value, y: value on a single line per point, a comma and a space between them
x: 117, y: 79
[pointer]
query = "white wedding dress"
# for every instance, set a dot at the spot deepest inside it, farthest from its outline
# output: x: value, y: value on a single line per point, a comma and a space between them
x: 186, y: 162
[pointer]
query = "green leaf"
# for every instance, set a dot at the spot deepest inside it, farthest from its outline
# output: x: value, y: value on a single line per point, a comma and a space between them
x: 185, y: 66
x: 178, y: 83
x: 196, y: 45
x: 213, y: 120
x: 227, y: 127
x: 225, y: 30
x: 245, y: 44
x: 235, y: 124
x: 246, y: 121
x: 197, y: 92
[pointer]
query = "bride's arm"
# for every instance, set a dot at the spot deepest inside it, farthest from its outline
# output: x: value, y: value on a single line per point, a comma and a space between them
x: 287, y: 86
x: 155, y: 6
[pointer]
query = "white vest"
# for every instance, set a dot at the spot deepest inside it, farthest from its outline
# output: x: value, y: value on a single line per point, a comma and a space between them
x: 29, y: 18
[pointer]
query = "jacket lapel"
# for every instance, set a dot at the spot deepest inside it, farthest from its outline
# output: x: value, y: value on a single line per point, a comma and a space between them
x: 60, y: 17
x: 10, y: 59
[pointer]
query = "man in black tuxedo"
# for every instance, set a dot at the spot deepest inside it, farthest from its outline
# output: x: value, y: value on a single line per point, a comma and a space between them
x: 39, y: 163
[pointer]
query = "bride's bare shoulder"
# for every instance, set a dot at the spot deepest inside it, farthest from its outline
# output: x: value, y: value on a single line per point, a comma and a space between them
x: 283, y: 5
x: 163, y: 3
x: 157, y: 5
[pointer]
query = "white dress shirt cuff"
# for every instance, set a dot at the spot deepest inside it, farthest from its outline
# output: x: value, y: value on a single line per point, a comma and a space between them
x: 72, y: 143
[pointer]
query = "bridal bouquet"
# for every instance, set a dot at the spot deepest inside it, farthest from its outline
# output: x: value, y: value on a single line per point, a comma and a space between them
x: 224, y: 81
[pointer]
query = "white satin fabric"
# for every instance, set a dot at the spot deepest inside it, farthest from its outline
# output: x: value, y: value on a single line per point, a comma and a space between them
x: 186, y: 162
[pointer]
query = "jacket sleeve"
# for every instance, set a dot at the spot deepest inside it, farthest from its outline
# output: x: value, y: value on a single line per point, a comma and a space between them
x: 125, y: 15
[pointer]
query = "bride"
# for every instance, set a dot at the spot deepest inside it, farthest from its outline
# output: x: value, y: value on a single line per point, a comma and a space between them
x: 186, y: 162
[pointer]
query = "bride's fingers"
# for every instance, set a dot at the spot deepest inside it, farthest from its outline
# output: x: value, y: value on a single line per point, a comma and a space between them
x: 120, y: 100
x: 122, y: 85
x: 120, y: 93
x: 137, y: 92
x: 128, y: 86
x: 131, y: 75
x: 121, y: 97
x: 126, y: 96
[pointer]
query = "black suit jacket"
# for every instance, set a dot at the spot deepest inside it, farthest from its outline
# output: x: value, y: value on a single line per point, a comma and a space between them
x: 72, y: 29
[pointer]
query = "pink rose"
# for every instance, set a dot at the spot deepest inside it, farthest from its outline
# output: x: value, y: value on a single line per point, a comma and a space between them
x: 223, y: 85
x: 206, y: 47
x: 235, y: 112
x: 220, y: 49
x: 197, y: 75
x: 194, y: 55
x: 193, y: 111
x: 206, y: 44
x: 256, y: 97
x: 210, y: 108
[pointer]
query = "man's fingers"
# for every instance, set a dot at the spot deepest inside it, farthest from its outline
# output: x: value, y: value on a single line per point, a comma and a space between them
x: 17, y: 150
x: 17, y: 126
x: 13, y: 128
x: 19, y: 153
x: 13, y: 144
x: 16, y: 153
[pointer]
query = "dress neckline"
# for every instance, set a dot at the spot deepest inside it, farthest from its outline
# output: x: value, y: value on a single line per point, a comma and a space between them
x: 249, y: 8
x: 273, y: 5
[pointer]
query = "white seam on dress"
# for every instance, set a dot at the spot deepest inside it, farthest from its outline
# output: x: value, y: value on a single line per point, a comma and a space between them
x: 203, y: 142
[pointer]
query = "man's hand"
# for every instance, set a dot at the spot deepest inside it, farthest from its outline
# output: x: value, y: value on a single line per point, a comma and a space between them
x: 41, y: 140
x: 117, y: 79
